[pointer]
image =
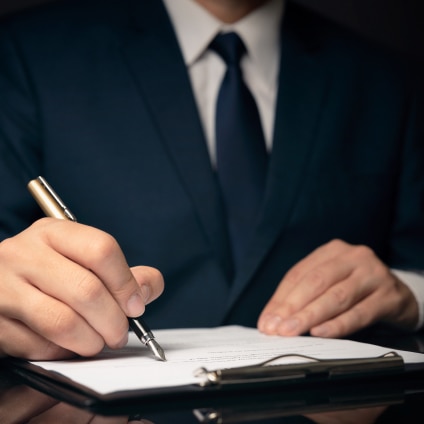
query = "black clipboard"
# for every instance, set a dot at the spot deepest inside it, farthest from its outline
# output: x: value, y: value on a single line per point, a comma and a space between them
x: 216, y: 386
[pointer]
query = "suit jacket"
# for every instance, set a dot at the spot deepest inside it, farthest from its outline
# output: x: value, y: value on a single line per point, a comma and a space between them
x: 96, y: 98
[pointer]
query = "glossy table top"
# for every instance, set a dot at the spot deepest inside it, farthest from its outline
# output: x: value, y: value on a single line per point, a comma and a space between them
x: 390, y: 400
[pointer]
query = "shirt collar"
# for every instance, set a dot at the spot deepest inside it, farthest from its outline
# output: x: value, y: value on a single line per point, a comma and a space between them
x: 195, y: 28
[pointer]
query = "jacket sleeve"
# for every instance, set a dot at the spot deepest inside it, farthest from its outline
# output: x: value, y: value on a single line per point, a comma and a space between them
x: 20, y: 138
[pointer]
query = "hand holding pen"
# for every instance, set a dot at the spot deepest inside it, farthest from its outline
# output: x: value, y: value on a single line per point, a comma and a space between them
x: 66, y: 289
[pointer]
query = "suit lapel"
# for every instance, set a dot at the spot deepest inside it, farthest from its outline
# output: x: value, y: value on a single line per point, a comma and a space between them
x: 303, y: 84
x: 155, y: 62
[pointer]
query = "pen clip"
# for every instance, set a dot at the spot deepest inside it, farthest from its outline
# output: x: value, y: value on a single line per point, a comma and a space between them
x: 265, y: 372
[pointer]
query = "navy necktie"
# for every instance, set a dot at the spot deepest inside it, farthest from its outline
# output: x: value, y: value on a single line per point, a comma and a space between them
x: 240, y: 146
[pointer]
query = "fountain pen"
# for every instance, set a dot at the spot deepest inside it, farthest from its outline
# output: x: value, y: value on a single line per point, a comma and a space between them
x: 53, y: 206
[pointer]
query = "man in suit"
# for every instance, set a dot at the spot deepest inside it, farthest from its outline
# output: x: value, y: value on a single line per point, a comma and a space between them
x: 114, y: 103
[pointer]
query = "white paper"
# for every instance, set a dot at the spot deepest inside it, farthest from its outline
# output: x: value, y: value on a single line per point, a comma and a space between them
x: 133, y: 367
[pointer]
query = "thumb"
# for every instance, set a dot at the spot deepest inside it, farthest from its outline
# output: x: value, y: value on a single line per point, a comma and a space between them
x: 150, y: 281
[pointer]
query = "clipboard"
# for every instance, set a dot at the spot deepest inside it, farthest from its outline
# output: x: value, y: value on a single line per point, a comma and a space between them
x: 218, y: 386
x: 213, y: 364
x: 403, y: 391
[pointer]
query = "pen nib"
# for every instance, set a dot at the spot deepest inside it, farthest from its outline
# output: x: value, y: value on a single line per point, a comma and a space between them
x: 156, y: 349
x: 146, y: 337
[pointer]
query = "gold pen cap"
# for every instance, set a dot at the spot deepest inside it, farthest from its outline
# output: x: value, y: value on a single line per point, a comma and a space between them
x: 48, y: 200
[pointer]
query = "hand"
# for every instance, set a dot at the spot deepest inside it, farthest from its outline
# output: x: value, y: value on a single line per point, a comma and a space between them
x: 336, y: 290
x: 66, y: 289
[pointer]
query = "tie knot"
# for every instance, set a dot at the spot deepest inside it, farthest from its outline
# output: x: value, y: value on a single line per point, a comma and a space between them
x: 229, y: 46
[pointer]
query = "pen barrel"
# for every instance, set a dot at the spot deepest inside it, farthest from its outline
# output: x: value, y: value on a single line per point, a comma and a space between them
x: 48, y: 200
x: 141, y: 330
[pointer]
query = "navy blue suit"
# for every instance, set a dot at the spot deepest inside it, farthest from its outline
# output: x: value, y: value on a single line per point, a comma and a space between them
x: 94, y: 96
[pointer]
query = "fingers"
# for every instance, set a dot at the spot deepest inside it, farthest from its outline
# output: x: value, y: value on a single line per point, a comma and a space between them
x: 53, y: 321
x: 310, y: 269
x: 307, y: 281
x: 336, y: 290
x: 69, y: 286
x: 99, y: 252
x: 36, y: 326
x: 70, y: 303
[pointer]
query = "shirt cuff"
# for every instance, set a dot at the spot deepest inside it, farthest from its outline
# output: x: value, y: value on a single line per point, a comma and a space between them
x: 415, y: 282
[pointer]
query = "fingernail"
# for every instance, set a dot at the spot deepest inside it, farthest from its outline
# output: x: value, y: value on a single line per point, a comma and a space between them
x: 135, y: 305
x: 272, y: 323
x: 288, y: 326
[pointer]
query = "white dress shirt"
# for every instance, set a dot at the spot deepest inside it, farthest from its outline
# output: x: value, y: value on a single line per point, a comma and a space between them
x: 260, y: 31
x: 195, y: 28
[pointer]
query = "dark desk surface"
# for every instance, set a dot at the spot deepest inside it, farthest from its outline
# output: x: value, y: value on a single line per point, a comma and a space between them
x: 394, y: 400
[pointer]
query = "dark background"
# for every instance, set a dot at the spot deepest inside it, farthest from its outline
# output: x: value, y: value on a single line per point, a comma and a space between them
x: 397, y: 23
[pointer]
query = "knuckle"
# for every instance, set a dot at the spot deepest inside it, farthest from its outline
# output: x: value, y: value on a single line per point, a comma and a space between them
x: 339, y: 295
x: 63, y: 328
x: 293, y: 274
x: 89, y: 288
x: 337, y: 243
x: 317, y: 279
x: 63, y: 322
x: 363, y: 251
x: 289, y: 307
x: 9, y: 249
x: 382, y: 273
x: 44, y: 227
x: 42, y: 223
x: 102, y: 247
